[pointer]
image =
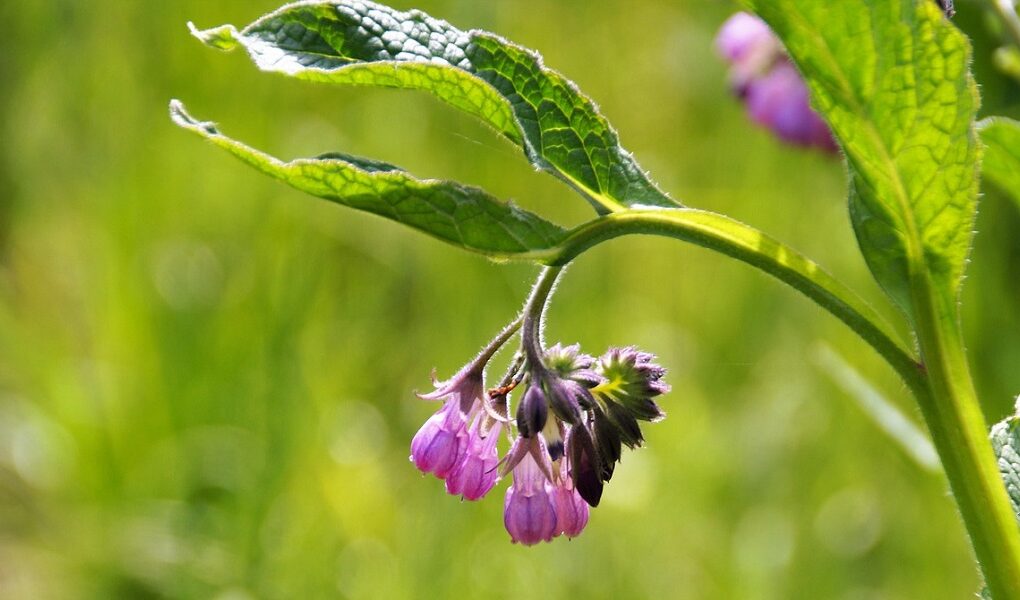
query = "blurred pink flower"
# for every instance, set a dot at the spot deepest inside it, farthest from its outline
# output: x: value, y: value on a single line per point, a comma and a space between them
x: 773, y: 92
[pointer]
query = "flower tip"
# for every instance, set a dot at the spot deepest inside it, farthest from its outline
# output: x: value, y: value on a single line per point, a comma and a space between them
x: 433, y: 395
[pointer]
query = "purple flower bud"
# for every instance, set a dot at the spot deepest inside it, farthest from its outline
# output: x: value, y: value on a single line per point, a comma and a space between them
x: 532, y: 412
x: 476, y: 473
x: 587, y: 378
x: 585, y: 464
x: 438, y: 445
x: 529, y: 512
x: 607, y: 443
x: 564, y: 396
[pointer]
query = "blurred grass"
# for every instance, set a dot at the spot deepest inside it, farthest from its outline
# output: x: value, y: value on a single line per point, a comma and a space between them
x: 205, y: 378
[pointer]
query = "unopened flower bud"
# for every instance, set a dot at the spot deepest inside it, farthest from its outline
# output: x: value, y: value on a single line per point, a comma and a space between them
x: 585, y: 468
x: 532, y: 412
x: 607, y: 442
x: 563, y: 398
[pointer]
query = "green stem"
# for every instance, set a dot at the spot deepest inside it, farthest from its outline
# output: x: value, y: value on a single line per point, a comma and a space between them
x: 942, y: 383
x: 735, y: 239
x: 960, y: 434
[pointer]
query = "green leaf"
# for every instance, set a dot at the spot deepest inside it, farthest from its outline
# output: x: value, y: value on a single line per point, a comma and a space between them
x: 891, y: 77
x: 461, y: 215
x: 1005, y: 437
x: 354, y: 42
x: 1002, y: 154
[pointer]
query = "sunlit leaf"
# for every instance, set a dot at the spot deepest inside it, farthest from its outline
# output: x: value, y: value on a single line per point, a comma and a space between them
x: 892, y: 80
x: 461, y: 215
x: 362, y: 43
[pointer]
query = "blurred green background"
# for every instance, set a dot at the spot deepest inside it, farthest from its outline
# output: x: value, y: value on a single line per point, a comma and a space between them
x: 206, y: 378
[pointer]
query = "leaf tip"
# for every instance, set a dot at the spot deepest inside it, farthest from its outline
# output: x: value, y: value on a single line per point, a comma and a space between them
x: 179, y: 115
x: 223, y: 37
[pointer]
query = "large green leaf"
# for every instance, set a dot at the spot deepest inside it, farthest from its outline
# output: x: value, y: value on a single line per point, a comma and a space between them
x: 462, y: 215
x: 891, y: 77
x: 354, y: 42
x: 1002, y: 154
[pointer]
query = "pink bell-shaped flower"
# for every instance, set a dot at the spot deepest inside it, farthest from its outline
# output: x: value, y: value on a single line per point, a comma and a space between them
x: 477, y: 472
x: 529, y: 512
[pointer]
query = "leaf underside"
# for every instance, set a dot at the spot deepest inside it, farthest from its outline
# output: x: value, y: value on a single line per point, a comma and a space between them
x: 461, y: 215
x: 1005, y: 437
x: 354, y: 42
x: 1001, y: 163
x: 892, y: 80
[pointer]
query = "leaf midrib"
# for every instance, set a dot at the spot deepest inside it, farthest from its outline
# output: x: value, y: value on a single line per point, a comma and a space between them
x: 914, y: 245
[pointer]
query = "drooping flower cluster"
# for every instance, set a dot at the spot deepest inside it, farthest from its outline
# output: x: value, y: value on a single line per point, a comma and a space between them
x: 573, y: 417
x: 771, y: 88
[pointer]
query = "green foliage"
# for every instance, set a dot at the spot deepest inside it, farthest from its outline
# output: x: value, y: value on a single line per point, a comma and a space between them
x: 892, y: 80
x: 1006, y: 443
x: 191, y: 397
x: 462, y: 215
x: 362, y: 43
x: 1002, y: 154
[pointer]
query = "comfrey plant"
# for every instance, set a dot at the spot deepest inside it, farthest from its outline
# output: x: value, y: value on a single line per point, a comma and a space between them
x: 891, y: 84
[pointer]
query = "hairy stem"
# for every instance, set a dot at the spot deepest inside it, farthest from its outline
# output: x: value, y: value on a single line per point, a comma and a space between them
x: 533, y: 311
x: 960, y: 434
x: 732, y: 238
x: 497, y: 342
x: 942, y: 384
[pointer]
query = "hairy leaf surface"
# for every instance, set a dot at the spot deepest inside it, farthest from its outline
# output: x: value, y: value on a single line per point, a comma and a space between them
x: 892, y: 79
x: 1002, y: 154
x: 461, y: 215
x: 355, y: 42
x: 1006, y: 443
